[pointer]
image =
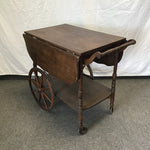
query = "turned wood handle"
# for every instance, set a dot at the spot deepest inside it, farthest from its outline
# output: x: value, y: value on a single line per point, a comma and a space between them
x: 101, y: 54
x: 129, y: 42
x: 93, y: 56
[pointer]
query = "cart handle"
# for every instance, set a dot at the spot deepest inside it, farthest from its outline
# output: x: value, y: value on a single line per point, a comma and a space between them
x: 101, y: 54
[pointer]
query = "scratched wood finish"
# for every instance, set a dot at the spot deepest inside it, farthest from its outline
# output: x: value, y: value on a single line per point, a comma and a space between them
x: 57, y: 62
x: 75, y: 39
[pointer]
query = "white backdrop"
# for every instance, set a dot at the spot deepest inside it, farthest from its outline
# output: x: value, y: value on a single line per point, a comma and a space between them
x: 128, y: 18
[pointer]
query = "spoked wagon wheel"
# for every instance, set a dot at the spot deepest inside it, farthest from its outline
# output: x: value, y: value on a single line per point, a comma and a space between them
x: 41, y: 88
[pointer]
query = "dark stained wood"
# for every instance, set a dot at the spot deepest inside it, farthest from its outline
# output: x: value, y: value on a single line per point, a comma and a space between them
x: 93, y: 93
x: 63, y: 51
x: 109, y: 55
x: 90, y: 71
x: 41, y: 88
x: 109, y: 59
x: 80, y: 99
x: 88, y: 61
x: 113, y: 85
x: 75, y: 39
x: 57, y: 62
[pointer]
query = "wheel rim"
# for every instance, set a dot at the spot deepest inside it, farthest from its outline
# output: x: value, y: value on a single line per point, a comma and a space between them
x: 41, y: 88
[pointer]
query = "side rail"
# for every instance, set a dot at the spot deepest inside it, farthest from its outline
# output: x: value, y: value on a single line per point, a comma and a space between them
x: 101, y: 54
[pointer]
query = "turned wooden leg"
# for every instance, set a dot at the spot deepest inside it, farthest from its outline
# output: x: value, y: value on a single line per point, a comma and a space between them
x: 113, y: 86
x: 82, y: 129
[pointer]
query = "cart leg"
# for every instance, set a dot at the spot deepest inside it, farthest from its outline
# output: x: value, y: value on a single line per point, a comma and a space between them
x: 82, y: 129
x: 91, y: 72
x: 113, y: 86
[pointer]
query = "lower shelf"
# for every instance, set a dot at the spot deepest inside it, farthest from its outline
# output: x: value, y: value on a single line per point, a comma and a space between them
x: 93, y: 93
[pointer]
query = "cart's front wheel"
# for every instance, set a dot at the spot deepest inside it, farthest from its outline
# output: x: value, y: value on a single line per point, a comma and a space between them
x: 41, y: 88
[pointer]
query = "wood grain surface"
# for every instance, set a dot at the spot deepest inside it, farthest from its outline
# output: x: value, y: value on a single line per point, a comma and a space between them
x: 75, y: 39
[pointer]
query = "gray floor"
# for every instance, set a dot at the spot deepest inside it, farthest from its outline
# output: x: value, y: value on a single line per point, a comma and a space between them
x: 24, y: 126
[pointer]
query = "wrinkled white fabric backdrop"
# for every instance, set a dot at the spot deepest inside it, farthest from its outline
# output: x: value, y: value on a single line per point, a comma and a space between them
x: 128, y: 18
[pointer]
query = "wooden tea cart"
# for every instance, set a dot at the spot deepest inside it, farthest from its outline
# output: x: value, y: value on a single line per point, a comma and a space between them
x: 59, y: 55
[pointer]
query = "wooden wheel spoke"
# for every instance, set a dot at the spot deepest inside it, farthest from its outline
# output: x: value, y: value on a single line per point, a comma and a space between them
x: 36, y: 77
x: 39, y: 97
x: 44, y: 101
x: 45, y: 88
x: 41, y: 80
x: 40, y: 85
x: 44, y: 94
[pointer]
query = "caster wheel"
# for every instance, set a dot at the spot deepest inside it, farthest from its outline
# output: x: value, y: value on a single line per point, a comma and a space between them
x: 83, y: 130
x: 111, y: 110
